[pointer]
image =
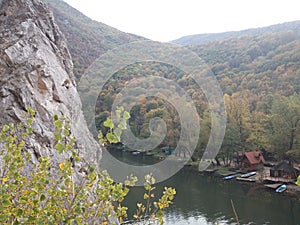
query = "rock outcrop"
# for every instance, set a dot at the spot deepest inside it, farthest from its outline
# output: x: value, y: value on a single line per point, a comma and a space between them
x: 36, y: 71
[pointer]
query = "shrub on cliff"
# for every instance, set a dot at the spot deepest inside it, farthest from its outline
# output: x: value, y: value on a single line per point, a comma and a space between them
x: 67, y: 191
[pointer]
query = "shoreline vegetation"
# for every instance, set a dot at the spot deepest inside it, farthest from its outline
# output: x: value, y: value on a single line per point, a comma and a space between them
x: 261, y: 177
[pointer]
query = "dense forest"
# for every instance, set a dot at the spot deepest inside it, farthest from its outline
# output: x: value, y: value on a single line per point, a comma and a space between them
x: 260, y: 79
x: 259, y: 73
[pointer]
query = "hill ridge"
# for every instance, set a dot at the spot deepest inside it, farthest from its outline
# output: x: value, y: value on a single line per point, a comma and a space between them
x: 199, y: 39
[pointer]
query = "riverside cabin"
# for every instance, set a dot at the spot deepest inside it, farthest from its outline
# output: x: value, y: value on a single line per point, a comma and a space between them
x: 284, y: 170
x: 251, y: 161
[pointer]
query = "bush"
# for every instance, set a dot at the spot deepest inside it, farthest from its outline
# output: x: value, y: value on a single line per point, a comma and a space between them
x: 70, y: 191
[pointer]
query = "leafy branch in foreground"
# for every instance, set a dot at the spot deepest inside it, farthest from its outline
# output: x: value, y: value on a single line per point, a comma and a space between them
x: 115, y: 130
x: 54, y: 192
x: 64, y: 190
x: 153, y: 212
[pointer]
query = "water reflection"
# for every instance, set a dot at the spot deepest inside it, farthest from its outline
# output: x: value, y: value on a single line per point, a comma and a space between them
x: 207, y: 200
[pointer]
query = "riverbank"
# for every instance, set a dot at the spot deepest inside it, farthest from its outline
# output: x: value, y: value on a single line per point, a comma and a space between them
x: 261, y: 178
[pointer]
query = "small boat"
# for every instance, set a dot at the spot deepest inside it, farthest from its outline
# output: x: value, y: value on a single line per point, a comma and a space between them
x: 281, y: 188
x: 136, y: 153
x: 246, y: 175
x: 230, y: 177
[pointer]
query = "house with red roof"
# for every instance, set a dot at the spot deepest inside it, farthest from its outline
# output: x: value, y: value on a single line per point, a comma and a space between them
x: 252, y: 161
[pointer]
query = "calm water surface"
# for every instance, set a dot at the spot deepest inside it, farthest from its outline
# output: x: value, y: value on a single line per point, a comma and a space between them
x: 207, y: 200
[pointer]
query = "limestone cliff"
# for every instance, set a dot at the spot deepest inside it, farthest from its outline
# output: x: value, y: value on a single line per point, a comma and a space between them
x: 36, y: 71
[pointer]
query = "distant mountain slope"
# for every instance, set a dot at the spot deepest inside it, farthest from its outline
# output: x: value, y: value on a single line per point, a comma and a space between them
x: 87, y: 39
x: 199, y: 39
x: 267, y: 63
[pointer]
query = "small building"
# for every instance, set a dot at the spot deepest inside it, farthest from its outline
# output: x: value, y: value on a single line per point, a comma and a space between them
x: 284, y: 170
x: 251, y: 161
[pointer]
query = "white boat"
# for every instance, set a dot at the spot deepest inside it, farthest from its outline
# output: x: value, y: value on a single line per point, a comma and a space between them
x: 135, y: 153
x: 246, y: 175
x: 281, y: 188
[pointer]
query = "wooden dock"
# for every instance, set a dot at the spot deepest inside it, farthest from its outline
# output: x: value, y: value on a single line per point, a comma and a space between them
x: 277, y: 180
x: 246, y: 179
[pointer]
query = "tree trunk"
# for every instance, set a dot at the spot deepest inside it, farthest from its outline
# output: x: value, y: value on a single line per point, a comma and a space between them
x: 218, y: 162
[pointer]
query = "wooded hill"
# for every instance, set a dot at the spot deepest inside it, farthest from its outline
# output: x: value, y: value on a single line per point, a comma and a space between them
x: 87, y: 39
x: 258, y: 70
x: 264, y: 64
x: 200, y: 39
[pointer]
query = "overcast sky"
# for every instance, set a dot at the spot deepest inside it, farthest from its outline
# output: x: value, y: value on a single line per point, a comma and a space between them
x: 165, y: 20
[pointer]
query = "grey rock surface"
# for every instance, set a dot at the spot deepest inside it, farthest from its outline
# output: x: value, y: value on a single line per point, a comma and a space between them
x: 36, y: 71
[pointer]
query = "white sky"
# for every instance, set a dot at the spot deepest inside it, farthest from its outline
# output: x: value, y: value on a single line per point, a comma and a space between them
x: 166, y: 20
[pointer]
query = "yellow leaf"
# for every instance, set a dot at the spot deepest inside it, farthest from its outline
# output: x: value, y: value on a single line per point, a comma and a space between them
x: 62, y: 166
x: 146, y: 196
x: 4, y: 179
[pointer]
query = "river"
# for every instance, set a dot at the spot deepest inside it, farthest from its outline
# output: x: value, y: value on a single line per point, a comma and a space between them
x: 206, y: 200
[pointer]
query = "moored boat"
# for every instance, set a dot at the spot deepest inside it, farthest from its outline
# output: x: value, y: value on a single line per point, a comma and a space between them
x: 281, y: 188
x: 230, y: 177
x: 246, y: 175
x: 136, y: 153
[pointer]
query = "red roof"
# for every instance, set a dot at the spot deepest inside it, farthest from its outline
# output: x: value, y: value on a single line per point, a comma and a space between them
x: 255, y: 157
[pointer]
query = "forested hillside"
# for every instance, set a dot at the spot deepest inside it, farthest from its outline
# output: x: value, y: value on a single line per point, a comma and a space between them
x: 263, y: 64
x: 87, y: 39
x: 258, y: 70
x: 260, y: 78
x: 199, y: 39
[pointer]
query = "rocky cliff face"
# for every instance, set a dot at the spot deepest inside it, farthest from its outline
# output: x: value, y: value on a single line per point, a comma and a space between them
x: 36, y: 71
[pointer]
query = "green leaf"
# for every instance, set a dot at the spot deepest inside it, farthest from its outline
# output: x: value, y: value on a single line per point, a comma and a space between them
x: 159, y: 213
x: 57, y: 136
x: 29, y: 129
x: 31, y: 219
x: 108, y: 123
x: 58, y: 124
x: 55, y: 116
x: 6, y: 203
x: 118, y: 133
x: 101, y: 138
x: 118, y: 114
x: 126, y: 115
x: 42, y: 198
x: 19, y: 212
x: 122, y: 125
x: 112, y: 138
x: 31, y: 111
x: 29, y: 121
x: 59, y: 147
x: 66, y: 132
x: 5, y: 128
